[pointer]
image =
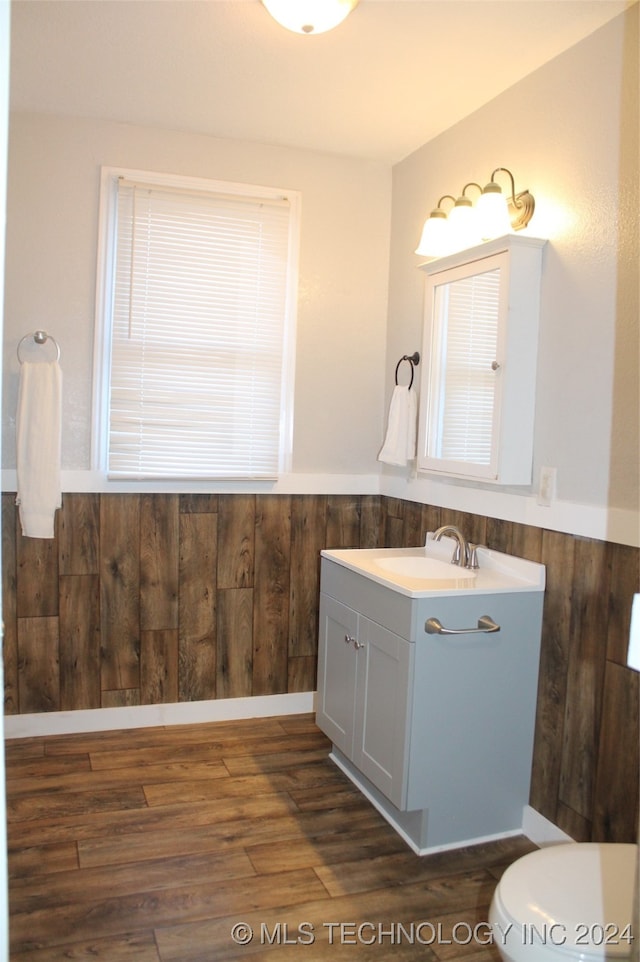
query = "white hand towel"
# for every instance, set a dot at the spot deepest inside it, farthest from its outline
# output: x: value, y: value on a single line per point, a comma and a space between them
x: 400, y: 443
x: 38, y: 430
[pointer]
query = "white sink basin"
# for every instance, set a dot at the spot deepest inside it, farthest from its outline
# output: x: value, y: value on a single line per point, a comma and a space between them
x: 421, y: 572
x: 427, y: 569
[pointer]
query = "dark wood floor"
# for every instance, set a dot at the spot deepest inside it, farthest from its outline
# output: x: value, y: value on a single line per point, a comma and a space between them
x: 151, y: 845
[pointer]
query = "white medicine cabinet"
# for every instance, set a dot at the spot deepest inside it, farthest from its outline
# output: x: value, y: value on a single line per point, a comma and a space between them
x: 480, y: 346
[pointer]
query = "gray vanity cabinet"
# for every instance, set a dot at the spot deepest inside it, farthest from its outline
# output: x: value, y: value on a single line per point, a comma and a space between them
x: 363, y: 683
x: 437, y: 731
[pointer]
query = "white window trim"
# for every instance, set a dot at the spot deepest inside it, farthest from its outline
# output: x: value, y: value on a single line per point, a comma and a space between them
x: 105, y: 267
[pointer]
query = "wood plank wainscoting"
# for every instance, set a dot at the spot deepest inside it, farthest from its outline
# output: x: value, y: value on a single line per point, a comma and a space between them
x: 145, y: 599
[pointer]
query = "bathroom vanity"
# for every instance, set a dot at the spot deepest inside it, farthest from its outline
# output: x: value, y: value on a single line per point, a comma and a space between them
x: 435, y: 728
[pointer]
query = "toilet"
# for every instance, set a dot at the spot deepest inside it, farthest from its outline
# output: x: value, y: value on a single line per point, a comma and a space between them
x: 572, y: 902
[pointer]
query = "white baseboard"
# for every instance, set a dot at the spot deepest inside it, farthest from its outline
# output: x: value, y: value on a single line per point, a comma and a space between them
x: 149, y: 716
x: 540, y: 830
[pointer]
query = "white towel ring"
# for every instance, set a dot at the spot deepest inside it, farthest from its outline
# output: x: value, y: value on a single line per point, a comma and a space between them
x: 40, y: 337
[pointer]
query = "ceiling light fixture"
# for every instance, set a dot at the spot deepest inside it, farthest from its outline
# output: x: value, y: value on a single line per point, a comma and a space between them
x: 465, y: 225
x: 310, y: 16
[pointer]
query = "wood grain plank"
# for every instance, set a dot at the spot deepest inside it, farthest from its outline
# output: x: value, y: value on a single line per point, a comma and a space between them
x: 499, y: 535
x: 412, y: 533
x: 79, y: 534
x: 197, y: 607
x: 203, y: 740
x: 48, y: 805
x: 120, y: 591
x: 271, y: 594
x: 308, y: 522
x: 174, y: 773
x: 27, y: 772
x: 9, y: 605
x: 558, y: 556
x: 137, y: 912
x: 302, y: 673
x: 617, y: 775
x: 431, y: 518
x: 79, y: 645
x: 234, y: 662
x: 526, y: 542
x: 371, y: 521
x: 37, y: 578
x: 393, y: 532
x: 476, y: 526
x: 401, y: 904
x: 343, y: 521
x: 361, y: 845
x: 120, y: 698
x: 27, y: 862
x: 218, y: 825
x: 159, y: 561
x: 158, y: 667
x: 274, y: 761
x: 577, y: 827
x: 585, y: 676
x: 624, y: 583
x: 160, y: 875
x: 392, y: 866
x: 199, y: 503
x: 236, y: 540
x: 199, y: 782
x: 39, y: 674
x: 138, y: 947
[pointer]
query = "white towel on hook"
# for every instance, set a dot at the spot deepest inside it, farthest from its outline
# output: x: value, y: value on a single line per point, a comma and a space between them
x: 400, y: 443
x: 38, y: 435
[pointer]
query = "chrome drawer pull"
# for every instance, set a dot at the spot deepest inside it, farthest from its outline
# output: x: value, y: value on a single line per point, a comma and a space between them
x: 486, y: 624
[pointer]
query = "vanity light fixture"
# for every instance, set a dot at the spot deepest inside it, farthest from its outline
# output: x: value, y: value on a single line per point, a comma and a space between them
x: 465, y: 225
x: 310, y: 16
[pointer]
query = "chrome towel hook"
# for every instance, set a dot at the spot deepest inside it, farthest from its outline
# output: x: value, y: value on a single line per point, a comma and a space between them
x: 40, y: 337
x: 413, y: 360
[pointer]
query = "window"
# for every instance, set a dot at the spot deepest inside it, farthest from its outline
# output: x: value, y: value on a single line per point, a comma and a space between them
x: 195, y: 333
x: 477, y: 397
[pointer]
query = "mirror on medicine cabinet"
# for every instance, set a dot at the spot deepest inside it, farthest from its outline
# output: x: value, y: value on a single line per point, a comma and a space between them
x: 480, y: 345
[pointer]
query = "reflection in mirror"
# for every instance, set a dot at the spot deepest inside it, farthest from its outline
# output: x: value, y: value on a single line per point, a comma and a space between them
x: 477, y: 396
x: 463, y: 376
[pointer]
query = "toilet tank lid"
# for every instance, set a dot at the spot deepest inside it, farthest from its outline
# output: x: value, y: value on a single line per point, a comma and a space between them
x: 584, y: 888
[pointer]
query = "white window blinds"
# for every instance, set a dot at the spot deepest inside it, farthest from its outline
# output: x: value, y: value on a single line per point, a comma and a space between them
x: 201, y: 334
x: 462, y: 427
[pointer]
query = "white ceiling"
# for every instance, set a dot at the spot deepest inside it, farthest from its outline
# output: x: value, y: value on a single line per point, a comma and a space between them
x: 391, y: 77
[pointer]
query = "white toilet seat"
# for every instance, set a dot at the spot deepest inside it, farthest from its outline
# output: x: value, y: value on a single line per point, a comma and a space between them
x: 566, y: 902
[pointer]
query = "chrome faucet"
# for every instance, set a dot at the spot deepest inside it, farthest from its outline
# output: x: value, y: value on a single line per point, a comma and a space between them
x: 461, y: 554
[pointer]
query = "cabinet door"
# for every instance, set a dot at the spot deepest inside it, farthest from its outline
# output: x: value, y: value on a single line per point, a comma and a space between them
x: 381, y: 743
x: 337, y: 660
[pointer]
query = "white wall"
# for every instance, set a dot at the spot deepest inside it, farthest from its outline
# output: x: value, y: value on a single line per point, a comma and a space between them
x: 569, y: 133
x: 54, y: 166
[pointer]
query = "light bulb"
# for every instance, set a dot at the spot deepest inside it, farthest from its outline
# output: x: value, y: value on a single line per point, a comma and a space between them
x: 434, y: 241
x: 463, y: 225
x: 493, y: 213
